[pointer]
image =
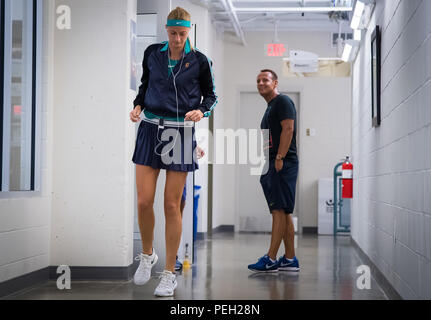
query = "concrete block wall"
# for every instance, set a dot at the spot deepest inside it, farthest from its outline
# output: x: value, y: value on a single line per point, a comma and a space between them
x: 391, y: 212
x: 83, y: 213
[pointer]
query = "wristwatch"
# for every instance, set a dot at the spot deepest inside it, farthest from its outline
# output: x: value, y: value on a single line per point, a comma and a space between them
x: 279, y: 157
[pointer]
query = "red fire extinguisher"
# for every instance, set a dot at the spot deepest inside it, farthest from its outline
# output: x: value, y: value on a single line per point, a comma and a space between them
x: 347, y: 184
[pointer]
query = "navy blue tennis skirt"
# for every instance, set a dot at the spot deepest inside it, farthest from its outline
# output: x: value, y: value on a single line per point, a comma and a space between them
x: 170, y: 148
x: 280, y: 187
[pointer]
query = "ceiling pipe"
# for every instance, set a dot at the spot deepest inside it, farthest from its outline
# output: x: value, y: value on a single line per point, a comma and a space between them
x: 276, y: 39
x: 228, y: 7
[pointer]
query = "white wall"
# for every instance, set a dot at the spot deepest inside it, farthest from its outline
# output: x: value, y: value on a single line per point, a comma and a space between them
x: 217, y: 54
x: 209, y: 42
x: 162, y: 8
x: 93, y: 138
x: 391, y: 214
x: 200, y: 17
x: 25, y: 218
x: 325, y: 106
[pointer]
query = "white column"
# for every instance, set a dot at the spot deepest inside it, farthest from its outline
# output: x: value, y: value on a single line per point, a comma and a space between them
x: 93, y: 175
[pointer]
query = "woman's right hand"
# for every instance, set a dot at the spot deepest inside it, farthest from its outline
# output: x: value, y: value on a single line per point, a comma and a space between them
x: 135, y: 114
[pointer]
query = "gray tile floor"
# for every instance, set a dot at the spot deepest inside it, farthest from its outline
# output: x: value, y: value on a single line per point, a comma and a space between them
x: 328, y: 272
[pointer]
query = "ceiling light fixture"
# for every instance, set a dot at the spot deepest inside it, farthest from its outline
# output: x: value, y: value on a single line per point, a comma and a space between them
x: 347, y: 52
x: 362, y: 14
x: 357, y: 15
x: 357, y: 35
x: 351, y: 48
x: 294, y: 9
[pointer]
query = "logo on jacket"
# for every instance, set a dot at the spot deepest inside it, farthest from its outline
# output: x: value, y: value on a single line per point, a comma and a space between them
x: 187, y: 64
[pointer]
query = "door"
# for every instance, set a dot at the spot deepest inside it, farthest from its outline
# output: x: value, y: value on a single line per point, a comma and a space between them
x: 253, y: 211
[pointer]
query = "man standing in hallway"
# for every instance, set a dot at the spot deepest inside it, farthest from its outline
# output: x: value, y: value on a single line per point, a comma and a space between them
x: 279, y: 182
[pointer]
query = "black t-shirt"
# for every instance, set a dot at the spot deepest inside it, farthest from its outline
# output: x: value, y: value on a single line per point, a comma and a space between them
x: 279, y: 109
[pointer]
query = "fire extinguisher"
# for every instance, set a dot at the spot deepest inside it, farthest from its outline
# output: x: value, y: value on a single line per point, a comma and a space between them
x: 347, y: 183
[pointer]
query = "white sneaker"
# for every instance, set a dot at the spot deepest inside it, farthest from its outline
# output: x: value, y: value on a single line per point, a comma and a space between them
x: 167, y: 285
x: 143, y: 274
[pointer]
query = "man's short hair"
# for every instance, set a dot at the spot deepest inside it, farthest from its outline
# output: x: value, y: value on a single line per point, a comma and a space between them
x: 274, y: 75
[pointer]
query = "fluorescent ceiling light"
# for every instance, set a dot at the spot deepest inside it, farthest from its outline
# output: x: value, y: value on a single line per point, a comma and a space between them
x: 319, y: 59
x: 357, y: 15
x: 355, y: 22
x: 357, y: 35
x: 359, y: 8
x: 346, y: 53
x: 295, y: 9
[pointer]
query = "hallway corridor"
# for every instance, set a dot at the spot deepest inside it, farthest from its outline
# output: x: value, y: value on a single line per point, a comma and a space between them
x: 328, y: 272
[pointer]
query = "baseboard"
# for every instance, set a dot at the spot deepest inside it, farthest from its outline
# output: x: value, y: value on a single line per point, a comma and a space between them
x: 219, y: 229
x: 379, y: 276
x: 224, y: 228
x: 23, y: 282
x: 309, y: 230
x: 95, y: 273
x: 76, y: 274
x: 201, y: 235
x: 255, y: 232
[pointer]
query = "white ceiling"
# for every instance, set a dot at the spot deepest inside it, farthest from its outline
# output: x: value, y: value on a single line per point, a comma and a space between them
x: 266, y: 15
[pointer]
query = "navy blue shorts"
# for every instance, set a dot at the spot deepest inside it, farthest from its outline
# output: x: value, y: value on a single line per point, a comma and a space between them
x: 280, y: 187
x: 170, y: 148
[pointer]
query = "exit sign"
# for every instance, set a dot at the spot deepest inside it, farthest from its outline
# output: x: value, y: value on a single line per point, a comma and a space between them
x: 17, y: 110
x: 275, y: 50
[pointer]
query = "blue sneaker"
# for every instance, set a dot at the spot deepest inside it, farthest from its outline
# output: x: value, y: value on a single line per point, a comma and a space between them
x: 178, y: 265
x: 264, y: 265
x: 286, y: 265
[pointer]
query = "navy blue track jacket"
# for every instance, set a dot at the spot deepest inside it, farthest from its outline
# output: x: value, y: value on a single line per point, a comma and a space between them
x: 157, y: 92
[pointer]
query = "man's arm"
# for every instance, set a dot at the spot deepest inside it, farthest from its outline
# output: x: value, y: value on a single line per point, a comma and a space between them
x: 288, y: 127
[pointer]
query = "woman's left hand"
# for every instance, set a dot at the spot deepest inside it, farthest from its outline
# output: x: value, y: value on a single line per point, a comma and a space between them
x: 199, y: 153
x: 195, y: 115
